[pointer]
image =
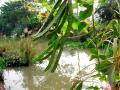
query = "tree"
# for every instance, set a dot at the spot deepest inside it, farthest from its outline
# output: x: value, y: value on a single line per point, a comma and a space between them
x: 16, y: 15
x: 106, y: 63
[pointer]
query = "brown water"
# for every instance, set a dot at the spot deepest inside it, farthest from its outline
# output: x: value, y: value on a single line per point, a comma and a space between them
x: 34, y: 78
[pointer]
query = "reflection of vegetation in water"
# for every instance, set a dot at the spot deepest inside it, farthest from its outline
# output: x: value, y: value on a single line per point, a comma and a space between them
x: 36, y: 79
x: 63, y: 22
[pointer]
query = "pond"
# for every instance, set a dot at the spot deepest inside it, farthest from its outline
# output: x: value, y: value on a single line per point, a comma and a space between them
x: 70, y: 67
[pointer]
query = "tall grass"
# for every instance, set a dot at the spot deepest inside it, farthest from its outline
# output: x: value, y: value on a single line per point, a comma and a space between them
x: 24, y: 49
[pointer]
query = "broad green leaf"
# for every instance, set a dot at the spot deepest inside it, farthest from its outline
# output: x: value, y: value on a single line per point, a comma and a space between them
x: 86, y: 13
x: 75, y: 22
x: 75, y: 25
x: 84, y: 31
x: 82, y: 25
x: 103, y: 66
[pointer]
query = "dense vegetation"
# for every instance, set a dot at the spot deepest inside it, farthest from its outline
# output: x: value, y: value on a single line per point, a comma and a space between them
x: 63, y: 23
x: 17, y: 15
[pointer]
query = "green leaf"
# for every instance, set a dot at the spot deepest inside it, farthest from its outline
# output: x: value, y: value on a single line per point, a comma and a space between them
x: 81, y: 2
x: 103, y: 66
x: 53, y: 54
x: 47, y: 6
x: 75, y: 5
x: 82, y: 25
x: 75, y: 22
x: 51, y: 1
x: 90, y: 2
x: 64, y: 28
x: 115, y: 31
x: 60, y: 10
x: 93, y: 88
x: 57, y: 58
x: 84, y: 31
x: 79, y: 86
x: 101, y: 1
x: 87, y: 13
x: 75, y: 25
x: 93, y: 57
x: 94, y: 51
x: 42, y: 1
x: 103, y: 57
x: 40, y: 56
x: 117, y: 78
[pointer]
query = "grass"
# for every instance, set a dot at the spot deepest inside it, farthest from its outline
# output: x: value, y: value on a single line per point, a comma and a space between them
x: 24, y: 49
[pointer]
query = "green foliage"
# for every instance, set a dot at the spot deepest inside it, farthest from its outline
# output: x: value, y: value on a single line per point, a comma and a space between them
x: 87, y: 13
x: 20, y: 51
x: 101, y: 1
x: 82, y: 25
x: 2, y: 64
x: 93, y: 88
x: 58, y: 40
x: 15, y: 15
x: 57, y: 28
x: 77, y: 85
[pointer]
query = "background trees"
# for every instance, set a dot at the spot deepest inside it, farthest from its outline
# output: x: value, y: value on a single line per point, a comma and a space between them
x: 17, y: 15
x: 65, y: 18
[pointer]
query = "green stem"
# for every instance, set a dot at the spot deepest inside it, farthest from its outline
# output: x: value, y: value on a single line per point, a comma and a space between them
x: 62, y: 7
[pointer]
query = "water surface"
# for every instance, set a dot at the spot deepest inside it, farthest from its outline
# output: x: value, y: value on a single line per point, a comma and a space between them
x: 70, y: 67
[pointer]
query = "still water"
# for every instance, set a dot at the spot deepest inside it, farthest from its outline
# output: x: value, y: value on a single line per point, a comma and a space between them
x: 70, y: 67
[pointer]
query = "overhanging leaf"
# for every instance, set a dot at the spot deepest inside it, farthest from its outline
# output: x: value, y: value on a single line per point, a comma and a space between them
x: 51, y: 61
x: 87, y: 13
x: 79, y: 87
x: 82, y: 25
x: 101, y: 1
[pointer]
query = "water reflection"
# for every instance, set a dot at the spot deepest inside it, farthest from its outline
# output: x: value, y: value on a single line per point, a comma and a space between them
x: 34, y: 78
